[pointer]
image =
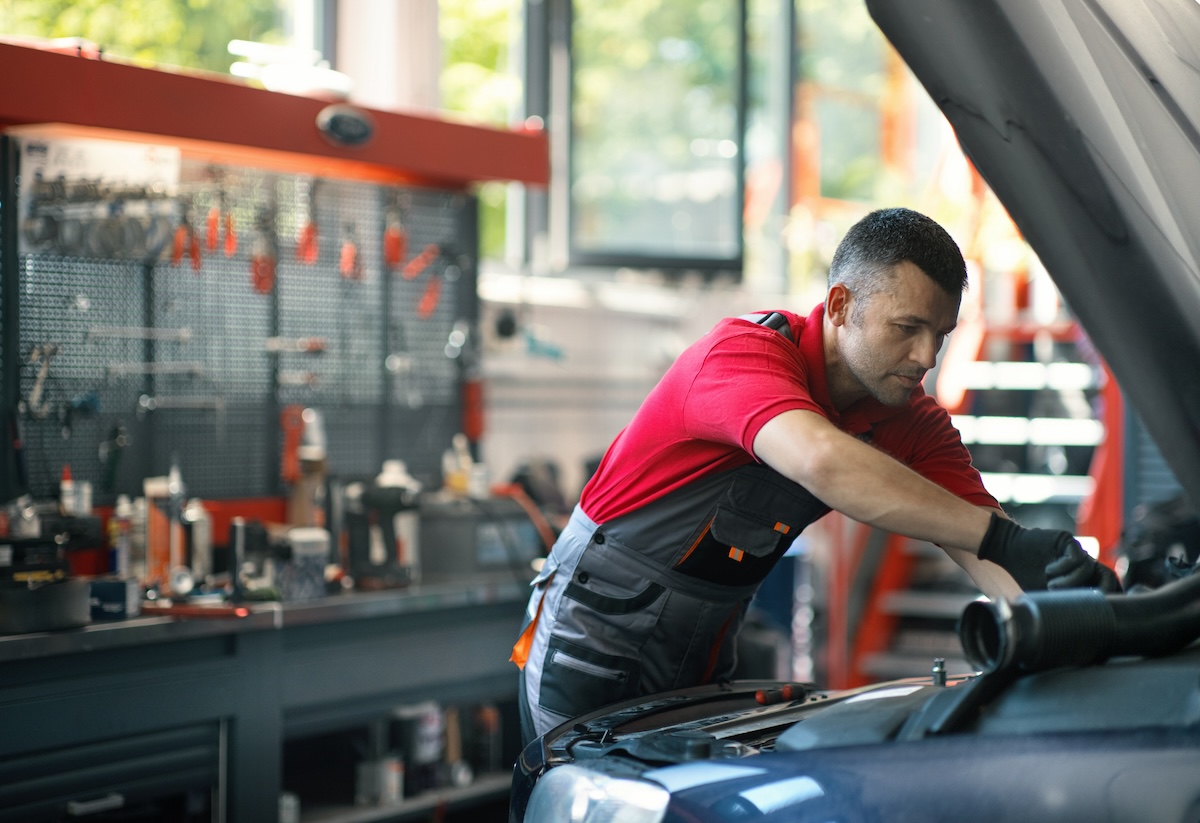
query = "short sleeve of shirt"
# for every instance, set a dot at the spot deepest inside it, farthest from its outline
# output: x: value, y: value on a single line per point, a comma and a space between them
x: 743, y: 380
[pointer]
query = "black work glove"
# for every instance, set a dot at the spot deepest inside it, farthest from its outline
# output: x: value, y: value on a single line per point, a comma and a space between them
x: 1075, y: 568
x: 1043, y: 558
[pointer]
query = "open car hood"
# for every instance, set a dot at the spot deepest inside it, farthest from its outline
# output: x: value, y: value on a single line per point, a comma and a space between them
x: 1084, y: 118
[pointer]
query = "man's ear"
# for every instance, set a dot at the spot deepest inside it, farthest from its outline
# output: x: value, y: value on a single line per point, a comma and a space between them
x: 837, y: 304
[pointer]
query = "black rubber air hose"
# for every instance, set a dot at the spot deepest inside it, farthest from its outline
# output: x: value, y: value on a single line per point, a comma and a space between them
x: 1079, y: 627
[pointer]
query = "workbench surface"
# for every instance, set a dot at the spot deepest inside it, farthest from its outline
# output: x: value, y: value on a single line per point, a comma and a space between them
x: 136, y: 695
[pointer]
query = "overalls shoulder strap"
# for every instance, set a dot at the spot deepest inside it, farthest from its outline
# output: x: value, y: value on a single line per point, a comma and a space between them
x: 772, y: 320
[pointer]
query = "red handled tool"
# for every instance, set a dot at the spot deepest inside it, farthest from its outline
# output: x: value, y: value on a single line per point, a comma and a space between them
x: 182, y: 610
x: 264, y: 256
x: 308, y: 245
x: 291, y: 420
x: 422, y: 261
x: 213, y: 235
x: 216, y: 217
x: 186, y: 243
x: 350, y: 263
x: 231, y: 242
x: 395, y: 241
x: 428, y: 303
x: 788, y: 691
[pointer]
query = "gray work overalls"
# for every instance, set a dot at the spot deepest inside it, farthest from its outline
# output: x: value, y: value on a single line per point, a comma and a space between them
x: 653, y: 600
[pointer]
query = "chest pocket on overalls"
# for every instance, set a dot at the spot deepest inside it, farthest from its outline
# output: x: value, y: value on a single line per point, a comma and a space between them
x: 751, y: 526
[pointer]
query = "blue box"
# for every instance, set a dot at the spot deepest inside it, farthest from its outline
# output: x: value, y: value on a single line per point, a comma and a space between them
x: 114, y: 598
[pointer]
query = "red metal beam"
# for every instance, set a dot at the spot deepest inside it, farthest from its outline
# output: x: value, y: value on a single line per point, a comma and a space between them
x: 1102, y: 514
x: 224, y: 117
x: 877, y: 628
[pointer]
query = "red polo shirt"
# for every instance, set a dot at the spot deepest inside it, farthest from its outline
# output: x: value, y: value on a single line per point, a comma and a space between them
x: 704, y: 414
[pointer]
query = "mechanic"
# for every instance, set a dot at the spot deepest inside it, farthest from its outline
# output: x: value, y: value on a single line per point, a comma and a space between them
x: 758, y: 429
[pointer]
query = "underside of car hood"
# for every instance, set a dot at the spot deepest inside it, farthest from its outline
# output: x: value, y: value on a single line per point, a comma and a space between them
x: 1084, y: 118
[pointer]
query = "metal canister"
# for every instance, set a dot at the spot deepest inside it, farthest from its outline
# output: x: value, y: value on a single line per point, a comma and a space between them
x: 197, y: 529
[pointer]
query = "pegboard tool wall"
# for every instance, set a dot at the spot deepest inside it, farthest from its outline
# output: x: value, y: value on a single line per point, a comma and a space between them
x: 181, y: 320
x: 11, y: 475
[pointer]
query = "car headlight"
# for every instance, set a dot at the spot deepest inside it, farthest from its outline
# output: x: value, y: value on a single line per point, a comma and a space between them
x: 570, y: 794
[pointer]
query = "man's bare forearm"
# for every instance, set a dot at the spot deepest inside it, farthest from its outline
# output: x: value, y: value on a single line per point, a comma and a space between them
x: 867, y: 485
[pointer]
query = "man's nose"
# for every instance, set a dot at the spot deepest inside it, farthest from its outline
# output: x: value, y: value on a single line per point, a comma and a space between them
x: 925, y: 351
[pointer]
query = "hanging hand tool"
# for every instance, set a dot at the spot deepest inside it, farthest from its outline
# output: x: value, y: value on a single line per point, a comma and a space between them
x: 297, y: 378
x: 301, y: 345
x: 308, y: 247
x: 291, y: 420
x: 422, y: 261
x: 395, y: 240
x: 186, y: 242
x: 212, y: 236
x: 350, y: 263
x: 158, y: 235
x: 262, y: 270
x: 428, y: 303
x: 231, y: 242
x: 40, y: 356
x: 180, y: 335
x: 219, y: 216
x: 213, y: 227
x: 191, y: 369
x: 265, y: 255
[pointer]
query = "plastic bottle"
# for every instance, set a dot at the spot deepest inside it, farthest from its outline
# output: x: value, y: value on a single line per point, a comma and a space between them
x: 66, y: 491
x: 120, y: 536
x: 406, y: 522
x: 137, y: 540
x: 197, y: 526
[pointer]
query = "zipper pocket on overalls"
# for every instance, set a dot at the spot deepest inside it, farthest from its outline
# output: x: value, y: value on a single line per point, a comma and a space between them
x: 734, y: 549
x: 561, y: 658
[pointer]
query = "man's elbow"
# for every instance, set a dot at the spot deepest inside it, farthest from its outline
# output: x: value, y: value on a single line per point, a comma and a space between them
x: 814, y: 461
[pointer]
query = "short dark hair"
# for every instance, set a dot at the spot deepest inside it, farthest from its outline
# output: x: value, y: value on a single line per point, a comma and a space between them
x: 887, y: 237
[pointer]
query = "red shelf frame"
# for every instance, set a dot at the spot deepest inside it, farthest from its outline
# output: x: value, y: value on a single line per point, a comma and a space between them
x: 228, y: 119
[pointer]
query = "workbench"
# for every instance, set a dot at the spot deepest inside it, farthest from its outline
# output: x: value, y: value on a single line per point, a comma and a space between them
x: 120, y: 710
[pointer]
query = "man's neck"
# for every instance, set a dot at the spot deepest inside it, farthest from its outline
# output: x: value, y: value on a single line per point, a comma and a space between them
x: 844, y: 388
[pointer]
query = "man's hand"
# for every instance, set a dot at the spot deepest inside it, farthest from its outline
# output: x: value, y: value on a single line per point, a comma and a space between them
x: 1075, y: 568
x: 1043, y: 558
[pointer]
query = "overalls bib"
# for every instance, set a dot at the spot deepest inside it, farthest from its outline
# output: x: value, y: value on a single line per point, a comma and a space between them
x: 653, y: 600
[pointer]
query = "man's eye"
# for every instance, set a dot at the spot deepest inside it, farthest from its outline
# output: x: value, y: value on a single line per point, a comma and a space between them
x: 906, y: 329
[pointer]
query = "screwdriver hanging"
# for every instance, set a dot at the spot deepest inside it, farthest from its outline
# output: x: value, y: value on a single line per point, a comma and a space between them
x: 350, y: 263
x: 212, y: 235
x: 428, y: 303
x: 395, y: 240
x: 231, y: 242
x: 265, y: 254
x: 220, y: 216
x: 186, y: 242
x: 308, y: 247
x: 421, y: 262
x: 302, y: 345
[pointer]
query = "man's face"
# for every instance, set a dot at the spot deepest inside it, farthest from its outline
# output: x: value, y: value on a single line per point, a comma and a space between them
x: 889, y: 341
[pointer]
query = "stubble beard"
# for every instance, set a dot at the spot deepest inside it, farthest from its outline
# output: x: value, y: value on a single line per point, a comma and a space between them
x: 879, y: 386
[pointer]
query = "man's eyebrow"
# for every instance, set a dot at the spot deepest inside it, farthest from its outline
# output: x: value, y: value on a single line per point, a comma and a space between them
x: 917, y: 320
